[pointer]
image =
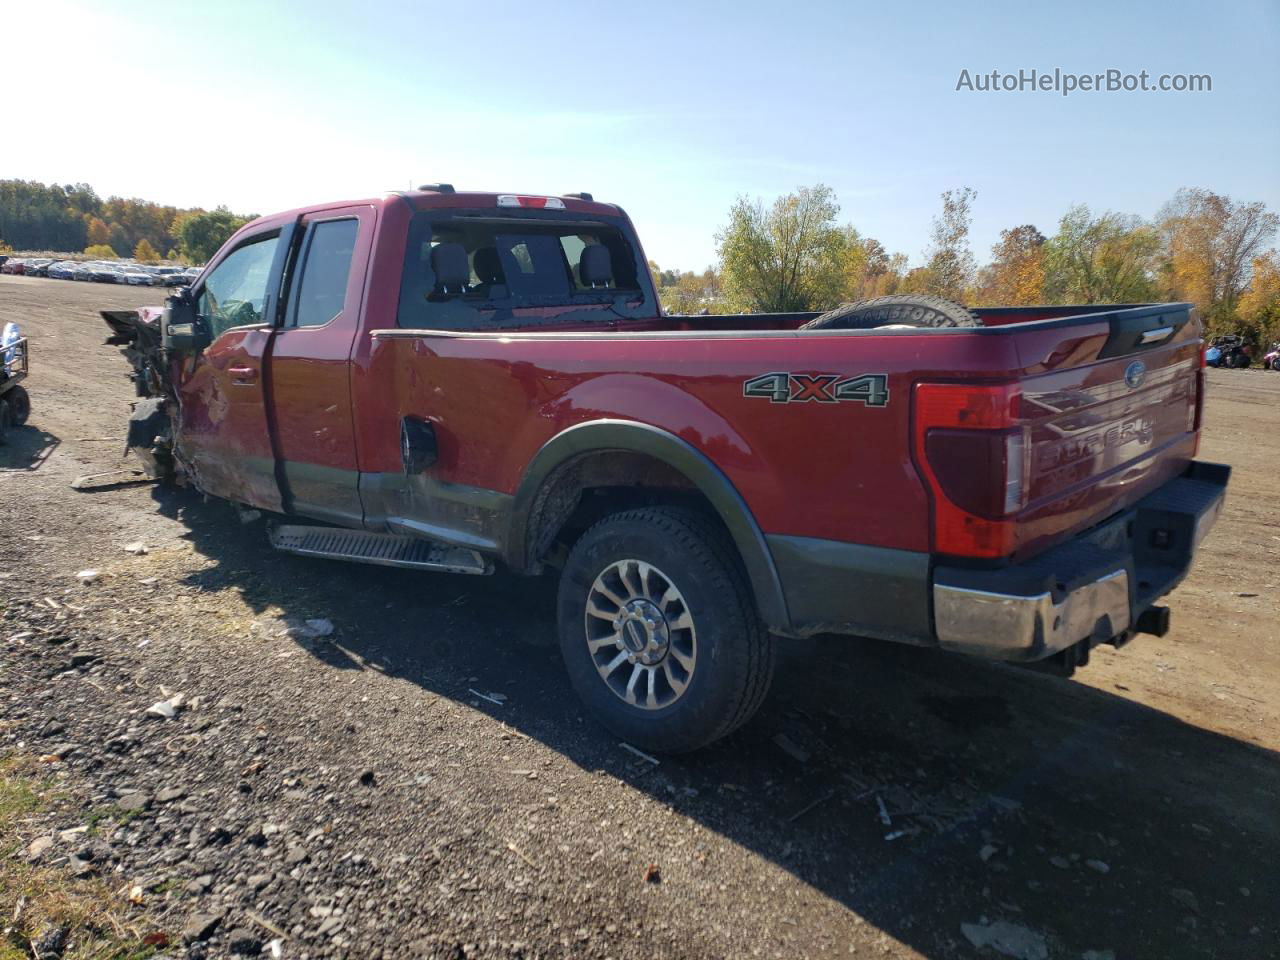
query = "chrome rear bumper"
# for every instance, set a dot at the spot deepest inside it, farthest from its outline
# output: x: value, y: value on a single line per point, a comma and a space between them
x: 997, y: 625
x: 1092, y: 588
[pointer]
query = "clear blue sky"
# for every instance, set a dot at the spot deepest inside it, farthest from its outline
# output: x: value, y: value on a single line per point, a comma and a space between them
x: 670, y: 109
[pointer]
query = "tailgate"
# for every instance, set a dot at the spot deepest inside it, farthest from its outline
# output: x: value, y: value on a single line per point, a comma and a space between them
x: 1103, y: 433
x: 1093, y: 412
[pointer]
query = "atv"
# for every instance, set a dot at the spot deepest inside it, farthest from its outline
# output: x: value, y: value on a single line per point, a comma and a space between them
x: 1229, y: 350
x: 15, y: 403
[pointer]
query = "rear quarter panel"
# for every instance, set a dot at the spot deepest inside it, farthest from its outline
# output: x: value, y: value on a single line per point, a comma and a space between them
x: 833, y: 470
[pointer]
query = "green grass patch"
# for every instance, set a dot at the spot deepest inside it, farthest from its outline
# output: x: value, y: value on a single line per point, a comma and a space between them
x: 35, y: 899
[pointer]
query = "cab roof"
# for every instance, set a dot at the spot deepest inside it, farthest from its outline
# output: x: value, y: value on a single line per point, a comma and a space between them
x: 444, y: 199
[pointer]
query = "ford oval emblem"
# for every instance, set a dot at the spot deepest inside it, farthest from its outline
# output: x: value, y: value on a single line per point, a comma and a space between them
x: 1134, y: 374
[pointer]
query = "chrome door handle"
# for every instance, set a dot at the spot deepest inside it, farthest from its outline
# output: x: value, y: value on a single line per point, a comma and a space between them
x: 243, y: 376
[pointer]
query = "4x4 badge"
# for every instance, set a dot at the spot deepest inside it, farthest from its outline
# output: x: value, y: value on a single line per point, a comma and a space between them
x: 871, y: 389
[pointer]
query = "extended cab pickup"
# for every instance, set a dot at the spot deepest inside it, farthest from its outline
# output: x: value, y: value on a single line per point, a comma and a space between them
x: 452, y: 381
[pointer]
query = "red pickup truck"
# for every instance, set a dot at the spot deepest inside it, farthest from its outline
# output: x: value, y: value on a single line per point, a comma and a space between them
x: 452, y: 381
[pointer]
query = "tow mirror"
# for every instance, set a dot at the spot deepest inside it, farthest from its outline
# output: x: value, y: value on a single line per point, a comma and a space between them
x: 181, y: 330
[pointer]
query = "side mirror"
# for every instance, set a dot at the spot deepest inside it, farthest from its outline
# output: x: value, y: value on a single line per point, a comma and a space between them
x: 181, y: 330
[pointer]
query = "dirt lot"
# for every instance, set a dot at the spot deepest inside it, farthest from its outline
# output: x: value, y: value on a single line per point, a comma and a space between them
x: 352, y: 795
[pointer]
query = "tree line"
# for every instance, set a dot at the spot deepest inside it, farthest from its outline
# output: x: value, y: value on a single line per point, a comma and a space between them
x: 73, y: 219
x: 795, y: 255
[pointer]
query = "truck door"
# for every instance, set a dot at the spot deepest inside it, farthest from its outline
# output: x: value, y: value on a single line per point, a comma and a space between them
x: 223, y: 437
x: 310, y: 365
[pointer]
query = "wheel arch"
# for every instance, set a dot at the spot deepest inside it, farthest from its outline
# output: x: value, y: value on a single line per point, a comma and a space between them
x: 594, y: 437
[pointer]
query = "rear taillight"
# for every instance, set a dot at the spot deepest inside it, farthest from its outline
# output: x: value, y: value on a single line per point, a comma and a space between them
x: 973, y: 453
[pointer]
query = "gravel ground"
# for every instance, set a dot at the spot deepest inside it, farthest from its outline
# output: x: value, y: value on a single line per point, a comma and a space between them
x: 420, y: 781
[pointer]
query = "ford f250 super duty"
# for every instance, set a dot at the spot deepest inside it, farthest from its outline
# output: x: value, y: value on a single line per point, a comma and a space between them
x: 452, y: 381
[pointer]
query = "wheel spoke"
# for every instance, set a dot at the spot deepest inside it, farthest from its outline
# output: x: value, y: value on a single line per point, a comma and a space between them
x: 602, y: 587
x: 607, y: 670
x: 636, y: 670
x: 682, y: 622
x: 650, y: 700
x: 599, y: 612
x: 622, y: 575
x: 612, y: 640
x: 677, y: 685
x: 643, y: 571
x: 681, y: 658
x: 669, y: 596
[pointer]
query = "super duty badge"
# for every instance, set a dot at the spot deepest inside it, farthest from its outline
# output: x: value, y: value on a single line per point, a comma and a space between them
x: 870, y: 388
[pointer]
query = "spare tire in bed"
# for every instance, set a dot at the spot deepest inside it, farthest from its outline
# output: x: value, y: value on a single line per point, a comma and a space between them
x: 904, y: 311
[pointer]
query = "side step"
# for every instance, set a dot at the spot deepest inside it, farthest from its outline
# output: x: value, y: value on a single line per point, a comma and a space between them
x: 386, y: 549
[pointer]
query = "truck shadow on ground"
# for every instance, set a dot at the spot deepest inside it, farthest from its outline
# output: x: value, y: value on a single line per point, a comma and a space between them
x: 26, y: 448
x: 917, y: 790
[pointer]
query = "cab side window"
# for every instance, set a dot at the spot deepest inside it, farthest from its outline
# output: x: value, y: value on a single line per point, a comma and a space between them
x: 322, y: 289
x: 234, y: 294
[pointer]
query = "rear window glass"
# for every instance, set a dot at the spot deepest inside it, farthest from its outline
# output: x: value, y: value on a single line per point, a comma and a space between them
x: 463, y: 273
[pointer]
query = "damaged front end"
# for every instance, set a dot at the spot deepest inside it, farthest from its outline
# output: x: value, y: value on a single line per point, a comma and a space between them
x: 150, y: 435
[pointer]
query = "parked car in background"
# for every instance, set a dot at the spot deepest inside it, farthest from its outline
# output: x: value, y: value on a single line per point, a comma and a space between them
x: 1271, y: 359
x: 62, y: 269
x: 105, y: 273
x: 13, y: 265
x: 183, y: 278
x: 136, y: 276
x: 37, y: 267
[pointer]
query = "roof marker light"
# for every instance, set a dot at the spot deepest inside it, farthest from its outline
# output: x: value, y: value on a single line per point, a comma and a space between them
x: 533, y: 203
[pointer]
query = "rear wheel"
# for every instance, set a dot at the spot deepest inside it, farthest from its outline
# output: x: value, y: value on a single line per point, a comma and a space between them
x: 19, y: 405
x: 900, y: 311
x: 659, y: 631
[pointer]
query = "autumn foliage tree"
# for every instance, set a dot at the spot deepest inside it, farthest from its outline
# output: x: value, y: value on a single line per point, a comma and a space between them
x: 1015, y: 276
x: 144, y: 252
x: 1259, y: 305
x: 786, y: 257
x: 691, y: 292
x: 97, y: 231
x: 1212, y: 243
x: 68, y: 217
x: 201, y: 233
x: 1107, y: 259
x: 950, y: 268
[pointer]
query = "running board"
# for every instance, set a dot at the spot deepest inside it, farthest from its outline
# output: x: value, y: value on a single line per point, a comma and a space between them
x: 385, y: 549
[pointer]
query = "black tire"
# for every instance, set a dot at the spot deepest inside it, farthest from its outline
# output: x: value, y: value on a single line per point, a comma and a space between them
x: 5, y: 418
x: 733, y: 652
x: 909, y: 311
x: 1240, y: 361
x: 19, y: 405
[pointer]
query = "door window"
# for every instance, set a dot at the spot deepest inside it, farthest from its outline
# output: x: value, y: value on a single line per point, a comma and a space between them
x: 322, y: 290
x: 235, y: 291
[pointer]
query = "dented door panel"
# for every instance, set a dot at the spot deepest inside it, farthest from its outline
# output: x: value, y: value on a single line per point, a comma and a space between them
x: 223, y: 441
